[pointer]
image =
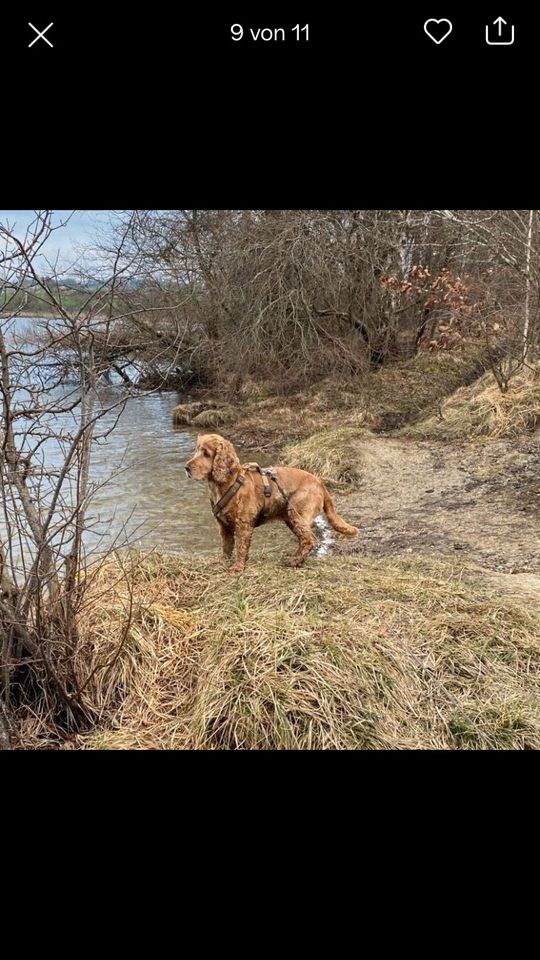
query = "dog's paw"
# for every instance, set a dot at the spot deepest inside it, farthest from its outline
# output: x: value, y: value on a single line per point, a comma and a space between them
x: 236, y: 568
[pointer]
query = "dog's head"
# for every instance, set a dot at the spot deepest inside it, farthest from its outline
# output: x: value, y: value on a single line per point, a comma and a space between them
x: 214, y: 459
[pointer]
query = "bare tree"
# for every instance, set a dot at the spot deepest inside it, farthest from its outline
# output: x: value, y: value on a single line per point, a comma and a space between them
x: 504, y: 244
x: 53, y: 414
x: 296, y: 295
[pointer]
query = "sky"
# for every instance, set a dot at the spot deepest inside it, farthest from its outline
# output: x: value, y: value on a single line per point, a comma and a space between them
x: 81, y: 227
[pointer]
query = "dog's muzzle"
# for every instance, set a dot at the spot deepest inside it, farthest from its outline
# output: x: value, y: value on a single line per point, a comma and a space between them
x: 188, y: 469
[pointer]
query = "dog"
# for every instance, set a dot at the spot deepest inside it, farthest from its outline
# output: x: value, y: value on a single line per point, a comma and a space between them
x: 244, y: 496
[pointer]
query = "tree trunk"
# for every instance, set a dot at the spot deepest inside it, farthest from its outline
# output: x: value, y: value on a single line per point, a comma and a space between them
x: 527, y: 321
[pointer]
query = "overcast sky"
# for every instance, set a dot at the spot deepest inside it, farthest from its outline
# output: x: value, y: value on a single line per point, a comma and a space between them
x: 81, y: 227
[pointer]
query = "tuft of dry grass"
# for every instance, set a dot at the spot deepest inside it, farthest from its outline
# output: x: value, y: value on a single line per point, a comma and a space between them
x: 184, y: 412
x: 343, y: 654
x: 331, y: 454
x: 199, y: 413
x: 482, y: 410
x: 211, y: 419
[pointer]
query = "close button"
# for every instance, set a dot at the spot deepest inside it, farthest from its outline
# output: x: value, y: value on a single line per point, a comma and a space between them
x: 40, y: 35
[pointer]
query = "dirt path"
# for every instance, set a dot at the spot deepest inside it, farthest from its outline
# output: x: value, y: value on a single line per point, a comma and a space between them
x: 480, y: 501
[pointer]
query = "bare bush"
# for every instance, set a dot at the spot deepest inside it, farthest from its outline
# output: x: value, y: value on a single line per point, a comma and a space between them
x: 53, y: 414
x: 296, y: 295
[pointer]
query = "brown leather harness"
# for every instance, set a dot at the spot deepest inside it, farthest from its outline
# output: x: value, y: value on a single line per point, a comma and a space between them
x: 218, y: 507
x: 227, y: 496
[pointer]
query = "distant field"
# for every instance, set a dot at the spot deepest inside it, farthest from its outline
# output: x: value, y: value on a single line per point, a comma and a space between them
x: 38, y: 304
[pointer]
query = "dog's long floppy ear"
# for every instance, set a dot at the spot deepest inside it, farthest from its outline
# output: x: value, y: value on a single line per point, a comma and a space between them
x: 225, y: 461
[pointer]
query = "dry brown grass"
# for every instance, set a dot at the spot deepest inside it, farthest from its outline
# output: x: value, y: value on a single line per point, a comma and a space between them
x: 344, y: 653
x: 211, y: 419
x: 332, y: 454
x: 202, y: 414
x: 402, y: 392
x: 266, y: 419
x: 477, y: 410
x: 482, y: 410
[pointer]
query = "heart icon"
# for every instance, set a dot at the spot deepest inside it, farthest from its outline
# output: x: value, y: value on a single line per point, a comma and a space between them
x: 438, y: 30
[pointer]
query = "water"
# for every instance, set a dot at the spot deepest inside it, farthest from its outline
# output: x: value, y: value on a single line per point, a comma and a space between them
x: 150, y: 496
x: 146, y: 496
x: 141, y: 494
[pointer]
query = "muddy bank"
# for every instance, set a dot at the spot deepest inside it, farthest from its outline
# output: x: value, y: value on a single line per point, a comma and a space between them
x: 478, y: 501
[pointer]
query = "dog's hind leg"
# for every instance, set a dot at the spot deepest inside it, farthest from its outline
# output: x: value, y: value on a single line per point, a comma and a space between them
x: 302, y: 508
x: 300, y: 524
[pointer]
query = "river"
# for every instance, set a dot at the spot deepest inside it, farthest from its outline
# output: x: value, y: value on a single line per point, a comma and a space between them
x: 142, y: 495
x: 146, y: 496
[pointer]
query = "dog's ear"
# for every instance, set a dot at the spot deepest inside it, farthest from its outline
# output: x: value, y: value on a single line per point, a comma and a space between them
x: 225, y: 460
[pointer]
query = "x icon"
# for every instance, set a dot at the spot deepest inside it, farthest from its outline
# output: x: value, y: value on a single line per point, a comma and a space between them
x: 40, y: 35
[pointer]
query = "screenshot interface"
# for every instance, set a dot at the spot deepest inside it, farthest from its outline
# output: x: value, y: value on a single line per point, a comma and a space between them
x: 269, y: 377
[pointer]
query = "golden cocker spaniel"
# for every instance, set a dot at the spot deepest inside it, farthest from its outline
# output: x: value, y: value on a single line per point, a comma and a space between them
x: 243, y: 496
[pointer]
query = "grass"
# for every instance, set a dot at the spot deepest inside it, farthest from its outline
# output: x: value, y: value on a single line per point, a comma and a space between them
x: 481, y: 410
x: 37, y: 304
x: 197, y: 414
x: 332, y: 454
x: 402, y: 392
x: 345, y: 653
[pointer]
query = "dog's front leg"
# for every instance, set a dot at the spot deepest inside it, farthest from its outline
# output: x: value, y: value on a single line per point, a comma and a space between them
x: 227, y: 539
x: 244, y: 533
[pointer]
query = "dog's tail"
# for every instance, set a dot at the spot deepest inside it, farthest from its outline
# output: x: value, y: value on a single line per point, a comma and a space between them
x: 337, y: 522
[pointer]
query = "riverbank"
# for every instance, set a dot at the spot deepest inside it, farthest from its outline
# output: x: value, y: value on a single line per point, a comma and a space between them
x: 35, y: 303
x: 26, y: 314
x: 29, y: 314
x: 464, y: 479
x: 345, y: 653
x: 381, y: 401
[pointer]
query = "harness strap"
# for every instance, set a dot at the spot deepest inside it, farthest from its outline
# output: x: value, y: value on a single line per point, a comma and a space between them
x: 228, y: 495
x: 273, y: 477
x: 268, y: 486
